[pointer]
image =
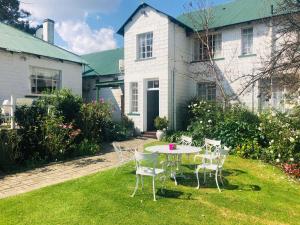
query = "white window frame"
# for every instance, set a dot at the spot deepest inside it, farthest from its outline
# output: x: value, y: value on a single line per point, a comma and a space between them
x: 215, y: 44
x: 47, y: 75
x: 134, y: 97
x: 145, y: 45
x: 154, y: 86
x: 210, y: 90
x: 247, y: 37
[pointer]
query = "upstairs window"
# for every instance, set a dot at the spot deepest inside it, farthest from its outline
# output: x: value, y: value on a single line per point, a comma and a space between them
x: 213, y: 47
x: 247, y: 41
x: 134, y: 97
x: 44, y: 80
x: 145, y: 45
x: 207, y: 91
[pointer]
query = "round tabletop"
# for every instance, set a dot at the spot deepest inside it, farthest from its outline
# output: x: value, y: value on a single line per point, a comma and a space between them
x: 180, y: 149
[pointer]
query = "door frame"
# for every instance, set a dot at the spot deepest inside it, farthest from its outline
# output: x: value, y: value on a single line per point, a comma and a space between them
x: 146, y: 99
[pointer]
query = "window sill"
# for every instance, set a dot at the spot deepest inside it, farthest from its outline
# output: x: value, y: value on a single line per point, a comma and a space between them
x: 218, y: 59
x: 146, y: 59
x: 207, y: 60
x: 249, y: 55
x: 133, y: 114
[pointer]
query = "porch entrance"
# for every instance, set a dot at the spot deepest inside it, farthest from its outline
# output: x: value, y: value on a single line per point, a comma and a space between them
x: 152, y: 103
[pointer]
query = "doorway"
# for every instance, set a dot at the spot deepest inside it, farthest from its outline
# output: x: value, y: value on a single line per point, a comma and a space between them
x: 152, y: 103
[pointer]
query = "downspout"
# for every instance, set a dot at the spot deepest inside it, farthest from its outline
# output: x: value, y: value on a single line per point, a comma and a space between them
x: 173, y: 88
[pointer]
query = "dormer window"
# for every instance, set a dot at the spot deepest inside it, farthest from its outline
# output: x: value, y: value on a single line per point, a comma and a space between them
x: 145, y: 45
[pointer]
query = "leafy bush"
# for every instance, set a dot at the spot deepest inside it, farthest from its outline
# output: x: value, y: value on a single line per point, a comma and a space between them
x: 10, y: 152
x: 250, y: 150
x: 161, y: 123
x: 85, y: 148
x: 62, y: 103
x: 94, y: 119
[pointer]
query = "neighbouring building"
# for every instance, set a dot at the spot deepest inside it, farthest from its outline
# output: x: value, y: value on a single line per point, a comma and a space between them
x: 161, y: 52
x: 103, y: 78
x: 30, y: 65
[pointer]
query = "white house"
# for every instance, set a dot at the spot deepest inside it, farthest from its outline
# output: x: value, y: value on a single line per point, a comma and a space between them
x: 161, y: 52
x: 103, y: 78
x: 29, y: 65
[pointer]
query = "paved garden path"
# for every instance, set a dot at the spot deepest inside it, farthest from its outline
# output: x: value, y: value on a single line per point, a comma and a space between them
x: 13, y: 184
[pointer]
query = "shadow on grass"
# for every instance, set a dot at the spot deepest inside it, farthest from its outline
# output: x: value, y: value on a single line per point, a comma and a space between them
x: 166, y: 193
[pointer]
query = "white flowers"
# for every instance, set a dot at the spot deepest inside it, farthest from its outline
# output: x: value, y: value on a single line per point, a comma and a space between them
x: 195, y: 105
x: 208, y: 110
x: 201, y: 121
x: 271, y: 142
x: 209, y: 121
x: 279, y: 155
x: 292, y: 159
x: 292, y: 140
x: 277, y: 160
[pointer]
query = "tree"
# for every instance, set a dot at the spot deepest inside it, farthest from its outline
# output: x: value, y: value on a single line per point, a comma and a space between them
x: 11, y: 14
x: 282, y: 65
x: 201, y: 15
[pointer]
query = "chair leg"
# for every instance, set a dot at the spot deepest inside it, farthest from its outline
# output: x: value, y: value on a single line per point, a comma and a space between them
x: 153, y: 186
x: 221, y: 177
x: 142, y: 182
x: 136, y: 185
x: 204, y: 176
x: 197, y: 176
x: 217, y: 181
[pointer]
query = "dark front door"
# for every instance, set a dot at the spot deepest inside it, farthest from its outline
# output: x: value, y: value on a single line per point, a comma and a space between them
x: 152, y: 108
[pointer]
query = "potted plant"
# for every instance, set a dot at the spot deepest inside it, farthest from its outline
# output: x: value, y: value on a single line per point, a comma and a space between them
x: 161, y: 124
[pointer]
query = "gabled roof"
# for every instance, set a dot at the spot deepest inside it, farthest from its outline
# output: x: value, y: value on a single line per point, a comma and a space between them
x: 103, y: 63
x: 14, y: 40
x: 145, y: 5
x: 234, y: 12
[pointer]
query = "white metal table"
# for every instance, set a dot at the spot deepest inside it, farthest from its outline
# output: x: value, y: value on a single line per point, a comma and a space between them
x: 180, y: 150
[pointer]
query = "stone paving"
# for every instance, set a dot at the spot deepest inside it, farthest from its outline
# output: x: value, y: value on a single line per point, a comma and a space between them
x: 14, y: 184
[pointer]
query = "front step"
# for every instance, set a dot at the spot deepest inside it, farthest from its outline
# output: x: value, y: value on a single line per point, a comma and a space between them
x: 149, y: 134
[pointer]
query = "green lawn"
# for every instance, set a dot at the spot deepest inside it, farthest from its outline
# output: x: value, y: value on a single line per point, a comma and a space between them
x: 255, y: 193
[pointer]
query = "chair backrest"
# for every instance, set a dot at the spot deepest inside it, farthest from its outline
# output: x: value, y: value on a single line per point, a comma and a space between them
x: 212, y: 145
x: 118, y: 150
x: 185, y: 140
x: 146, y: 159
x: 223, y: 153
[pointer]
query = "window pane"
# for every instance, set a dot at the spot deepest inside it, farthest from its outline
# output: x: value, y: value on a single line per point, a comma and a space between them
x: 145, y: 45
x: 43, y: 80
x: 247, y: 41
x: 207, y: 91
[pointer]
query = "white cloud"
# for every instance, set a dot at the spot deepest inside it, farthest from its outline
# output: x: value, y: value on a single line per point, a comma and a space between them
x: 81, y: 39
x: 67, y: 9
x: 70, y: 17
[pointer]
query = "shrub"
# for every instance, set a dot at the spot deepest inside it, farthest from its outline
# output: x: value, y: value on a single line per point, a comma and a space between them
x: 30, y: 120
x: 94, y: 119
x: 10, y: 153
x: 86, y: 147
x: 161, y: 123
x: 249, y: 149
x: 62, y: 103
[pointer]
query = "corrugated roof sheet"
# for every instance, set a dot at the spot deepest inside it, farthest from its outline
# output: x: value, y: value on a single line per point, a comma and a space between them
x: 103, y: 63
x: 12, y: 39
x: 235, y: 12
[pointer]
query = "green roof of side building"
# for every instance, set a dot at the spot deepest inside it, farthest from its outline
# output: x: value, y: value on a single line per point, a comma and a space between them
x: 14, y: 40
x: 235, y: 12
x: 103, y: 63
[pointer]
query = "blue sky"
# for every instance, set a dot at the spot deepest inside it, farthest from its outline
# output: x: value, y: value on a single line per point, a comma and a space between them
x: 90, y: 25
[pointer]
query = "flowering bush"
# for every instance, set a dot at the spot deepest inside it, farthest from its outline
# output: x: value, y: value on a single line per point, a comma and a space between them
x: 281, y: 137
x: 292, y: 169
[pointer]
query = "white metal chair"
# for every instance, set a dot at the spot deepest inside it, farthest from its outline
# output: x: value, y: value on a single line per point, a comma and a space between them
x: 122, y: 157
x: 142, y: 161
x: 209, y: 146
x: 213, y: 162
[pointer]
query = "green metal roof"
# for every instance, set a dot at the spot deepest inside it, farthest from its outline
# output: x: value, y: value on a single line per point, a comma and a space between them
x: 234, y: 12
x: 103, y: 63
x: 14, y: 40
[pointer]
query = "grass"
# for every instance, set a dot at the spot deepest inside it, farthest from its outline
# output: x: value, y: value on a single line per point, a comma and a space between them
x: 254, y: 193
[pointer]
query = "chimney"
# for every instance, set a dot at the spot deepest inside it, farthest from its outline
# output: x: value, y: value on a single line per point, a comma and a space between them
x: 48, y: 31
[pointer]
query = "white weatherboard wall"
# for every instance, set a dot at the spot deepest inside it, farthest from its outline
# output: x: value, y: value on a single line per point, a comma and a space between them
x: 143, y: 70
x: 15, y: 74
x: 233, y: 66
